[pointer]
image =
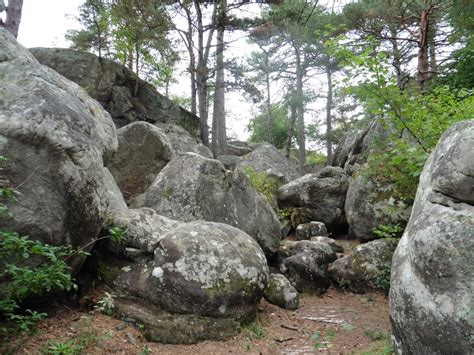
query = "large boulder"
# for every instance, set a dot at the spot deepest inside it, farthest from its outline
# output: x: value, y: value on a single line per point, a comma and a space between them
x: 126, y: 97
x: 194, y: 282
x: 367, y: 268
x: 267, y: 159
x: 369, y: 205
x: 55, y: 138
x: 343, y: 149
x: 432, y: 283
x: 142, y: 152
x: 317, y: 197
x: 206, y: 190
x: 182, y: 141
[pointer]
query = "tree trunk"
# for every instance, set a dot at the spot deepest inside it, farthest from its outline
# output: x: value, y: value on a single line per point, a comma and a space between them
x: 397, y: 62
x: 423, y: 49
x: 269, y: 106
x: 13, y: 17
x: 328, y: 114
x: 300, y: 113
x: 202, y: 71
x: 291, y: 130
x: 219, y: 134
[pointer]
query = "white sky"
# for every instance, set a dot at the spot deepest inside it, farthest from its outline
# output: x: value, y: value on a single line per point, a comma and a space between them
x: 44, y: 23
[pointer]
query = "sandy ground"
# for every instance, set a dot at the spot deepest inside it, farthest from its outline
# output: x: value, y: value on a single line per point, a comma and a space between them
x: 336, y: 323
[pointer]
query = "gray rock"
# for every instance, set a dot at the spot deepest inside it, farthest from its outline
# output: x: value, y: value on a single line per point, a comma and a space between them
x: 337, y: 248
x: 367, y: 268
x: 56, y: 139
x: 238, y: 150
x: 182, y: 141
x: 432, y: 281
x: 229, y: 161
x: 306, y: 266
x: 307, y: 230
x: 368, y: 205
x: 143, y: 152
x: 280, y: 292
x: 343, y: 149
x: 114, y: 200
x: 317, y: 197
x: 199, y: 273
x: 267, y: 159
x: 126, y: 97
x: 205, y: 190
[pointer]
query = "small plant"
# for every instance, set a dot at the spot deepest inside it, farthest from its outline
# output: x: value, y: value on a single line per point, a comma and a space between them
x: 265, y: 184
x: 375, y: 334
x: 255, y: 331
x: 63, y: 348
x: 327, y: 343
x: 388, y: 231
x: 383, y: 280
x: 106, y: 304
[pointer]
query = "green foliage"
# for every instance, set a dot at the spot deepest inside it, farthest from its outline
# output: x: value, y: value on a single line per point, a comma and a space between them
x: 314, y: 157
x: 255, y: 331
x: 326, y: 343
x: 68, y: 347
x: 265, y: 184
x: 106, y: 304
x: 383, y: 280
x: 258, y: 127
x: 388, y: 231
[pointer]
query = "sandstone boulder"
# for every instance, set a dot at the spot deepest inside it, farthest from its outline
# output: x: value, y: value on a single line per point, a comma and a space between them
x: 267, y: 159
x: 317, y: 197
x: 280, y: 292
x: 432, y: 281
x: 312, y: 229
x: 182, y: 141
x: 206, y: 190
x: 367, y: 268
x: 126, y: 97
x: 143, y: 151
x: 56, y: 139
x: 200, y: 281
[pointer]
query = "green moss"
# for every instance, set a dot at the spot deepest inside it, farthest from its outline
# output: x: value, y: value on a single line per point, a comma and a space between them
x: 167, y: 192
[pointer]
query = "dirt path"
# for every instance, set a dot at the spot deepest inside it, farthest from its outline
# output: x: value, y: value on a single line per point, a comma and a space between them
x: 336, y: 323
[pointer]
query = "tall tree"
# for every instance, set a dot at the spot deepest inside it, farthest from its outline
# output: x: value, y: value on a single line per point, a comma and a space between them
x: 13, y: 15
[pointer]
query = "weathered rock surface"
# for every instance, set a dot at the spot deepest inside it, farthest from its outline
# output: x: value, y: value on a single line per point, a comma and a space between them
x: 432, y: 281
x: 238, y: 148
x: 55, y: 138
x: 267, y: 159
x: 280, y: 292
x: 229, y: 161
x: 312, y: 229
x: 317, y: 197
x: 206, y: 190
x: 306, y: 266
x: 367, y: 268
x: 337, y: 248
x: 368, y: 205
x: 199, y: 274
x: 343, y: 149
x: 182, y: 141
x: 118, y: 90
x: 143, y: 151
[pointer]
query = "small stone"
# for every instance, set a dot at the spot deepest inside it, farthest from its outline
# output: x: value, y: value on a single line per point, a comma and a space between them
x: 121, y: 326
x: 131, y: 338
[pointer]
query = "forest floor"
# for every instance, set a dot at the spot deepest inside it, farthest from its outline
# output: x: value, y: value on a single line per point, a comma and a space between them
x: 336, y: 323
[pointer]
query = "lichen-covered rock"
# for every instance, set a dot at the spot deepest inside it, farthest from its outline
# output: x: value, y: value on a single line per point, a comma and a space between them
x: 206, y: 190
x: 229, y: 161
x: 280, y: 292
x: 368, y: 205
x: 238, y: 148
x: 317, y: 197
x: 55, y: 138
x: 182, y: 141
x: 337, y: 248
x: 199, y: 273
x: 431, y: 294
x: 114, y: 200
x: 367, y: 268
x: 343, y: 149
x: 306, y: 267
x: 126, y: 97
x: 143, y: 151
x: 267, y: 159
x: 312, y: 229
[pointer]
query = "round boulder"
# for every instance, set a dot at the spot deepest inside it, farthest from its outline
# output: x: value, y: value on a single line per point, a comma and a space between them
x: 280, y: 292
